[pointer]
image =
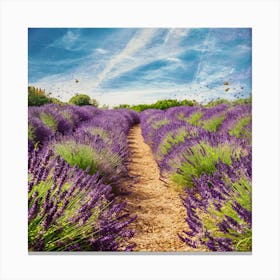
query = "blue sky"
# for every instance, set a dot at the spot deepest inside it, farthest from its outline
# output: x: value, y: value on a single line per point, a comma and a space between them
x: 130, y: 65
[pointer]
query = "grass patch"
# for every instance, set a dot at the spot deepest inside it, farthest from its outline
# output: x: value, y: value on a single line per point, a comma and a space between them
x: 242, y: 239
x: 195, y: 118
x: 100, y: 132
x: 213, y: 124
x: 238, y: 130
x: 199, y: 159
x: 62, y: 230
x: 80, y: 155
x: 171, y: 140
x: 86, y: 157
x: 31, y: 132
x: 49, y: 121
x: 158, y: 124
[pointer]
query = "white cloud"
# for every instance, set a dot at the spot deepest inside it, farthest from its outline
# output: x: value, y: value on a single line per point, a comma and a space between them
x: 101, y: 51
x: 173, y: 59
x: 67, y: 41
x: 213, y: 73
x: 138, y: 52
x: 135, y: 44
x: 175, y: 34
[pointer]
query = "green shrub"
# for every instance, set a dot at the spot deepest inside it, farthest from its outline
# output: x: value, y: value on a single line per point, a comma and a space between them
x: 242, y: 194
x: 37, y: 96
x: 158, y: 124
x: 195, y: 118
x: 56, y: 101
x: 122, y: 106
x: 49, y: 121
x: 216, y: 102
x: 86, y: 157
x: 80, y: 155
x: 201, y: 158
x: 171, y: 139
x: 160, y: 105
x: 63, y: 230
x: 31, y: 132
x: 100, y: 132
x: 213, y: 124
x: 238, y: 129
x: 82, y: 100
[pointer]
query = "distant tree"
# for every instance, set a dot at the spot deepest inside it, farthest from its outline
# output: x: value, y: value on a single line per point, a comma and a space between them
x: 56, y: 101
x: 83, y: 99
x: 105, y: 106
x: 80, y: 100
x: 122, y: 106
x: 216, y: 102
x: 186, y: 102
x: 37, y: 96
x: 94, y: 102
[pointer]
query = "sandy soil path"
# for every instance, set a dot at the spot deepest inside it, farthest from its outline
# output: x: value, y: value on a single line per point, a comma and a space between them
x: 158, y: 207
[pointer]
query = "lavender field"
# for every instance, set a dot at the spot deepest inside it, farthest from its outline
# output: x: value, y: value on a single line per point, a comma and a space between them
x: 83, y: 184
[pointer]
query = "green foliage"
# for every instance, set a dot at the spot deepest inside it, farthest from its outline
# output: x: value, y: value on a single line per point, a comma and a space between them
x: 82, y: 100
x: 31, y: 132
x: 161, y: 105
x: 122, y: 106
x: 168, y: 103
x: 242, y: 194
x: 194, y: 118
x: 201, y: 158
x: 49, y: 121
x: 56, y: 101
x: 238, y: 129
x: 158, y: 124
x: 105, y: 106
x: 214, y: 123
x: 80, y: 155
x: 186, y: 102
x: 240, y: 101
x: 63, y: 229
x: 100, y: 132
x: 216, y: 102
x: 37, y: 96
x: 171, y: 140
x: 86, y: 157
x: 94, y: 103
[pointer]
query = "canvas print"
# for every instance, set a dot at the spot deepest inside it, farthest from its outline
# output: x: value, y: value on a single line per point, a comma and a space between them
x: 139, y: 140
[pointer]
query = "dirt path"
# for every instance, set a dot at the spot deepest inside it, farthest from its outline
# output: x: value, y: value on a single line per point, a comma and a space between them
x: 158, y: 207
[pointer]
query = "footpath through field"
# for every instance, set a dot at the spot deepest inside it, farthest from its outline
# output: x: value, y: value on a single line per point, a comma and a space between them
x: 160, y: 212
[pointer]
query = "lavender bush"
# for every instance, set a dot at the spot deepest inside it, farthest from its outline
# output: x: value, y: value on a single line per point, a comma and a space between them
x: 76, y: 159
x: 70, y: 210
x: 206, y: 152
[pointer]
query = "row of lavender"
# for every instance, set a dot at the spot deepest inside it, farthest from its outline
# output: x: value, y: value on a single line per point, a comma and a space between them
x: 76, y: 158
x: 206, y: 153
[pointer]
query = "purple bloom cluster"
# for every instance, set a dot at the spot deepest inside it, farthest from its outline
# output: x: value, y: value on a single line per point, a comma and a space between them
x: 218, y: 206
x: 215, y: 197
x: 65, y: 118
x: 213, y: 112
x: 71, y: 208
x: 233, y: 115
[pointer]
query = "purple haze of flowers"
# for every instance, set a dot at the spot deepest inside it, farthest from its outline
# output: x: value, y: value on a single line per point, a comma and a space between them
x: 209, y: 113
x: 211, y: 192
x: 233, y: 115
x: 52, y: 219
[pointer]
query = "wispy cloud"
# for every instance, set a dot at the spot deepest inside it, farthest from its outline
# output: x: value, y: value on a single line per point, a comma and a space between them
x: 113, y: 67
x: 101, y: 51
x: 142, y: 65
x: 67, y: 41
